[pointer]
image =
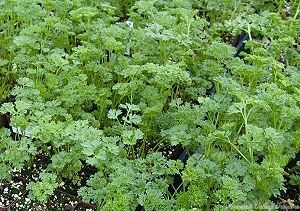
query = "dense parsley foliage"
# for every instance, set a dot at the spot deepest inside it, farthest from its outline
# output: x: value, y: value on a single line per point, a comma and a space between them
x: 114, y: 83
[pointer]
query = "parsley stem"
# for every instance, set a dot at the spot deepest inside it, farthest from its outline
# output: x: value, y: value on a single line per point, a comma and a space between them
x: 238, y: 151
x: 142, y: 149
x: 251, y: 154
x: 240, y: 129
x: 297, y: 12
x: 249, y: 31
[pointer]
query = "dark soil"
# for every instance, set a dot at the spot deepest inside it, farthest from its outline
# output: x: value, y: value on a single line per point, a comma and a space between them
x: 290, y: 198
x: 15, y: 196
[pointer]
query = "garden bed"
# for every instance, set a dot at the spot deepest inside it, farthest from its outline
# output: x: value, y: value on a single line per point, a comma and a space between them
x: 149, y: 105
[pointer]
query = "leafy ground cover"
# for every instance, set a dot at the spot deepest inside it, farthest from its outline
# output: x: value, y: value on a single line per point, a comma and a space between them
x: 164, y: 105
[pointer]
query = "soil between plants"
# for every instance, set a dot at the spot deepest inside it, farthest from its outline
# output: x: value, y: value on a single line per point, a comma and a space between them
x: 15, y: 196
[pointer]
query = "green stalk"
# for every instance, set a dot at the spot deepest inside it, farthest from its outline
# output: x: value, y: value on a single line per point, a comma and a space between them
x: 249, y: 31
x: 297, y: 11
x: 133, y: 152
x: 245, y: 116
x: 238, y: 151
x: 142, y: 149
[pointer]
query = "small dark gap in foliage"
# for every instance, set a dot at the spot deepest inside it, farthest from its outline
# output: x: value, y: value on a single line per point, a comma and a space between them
x: 4, y: 121
x: 179, y: 154
x: 139, y: 208
x: 293, y: 162
x: 211, y: 90
x: 292, y: 192
x: 239, y: 43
